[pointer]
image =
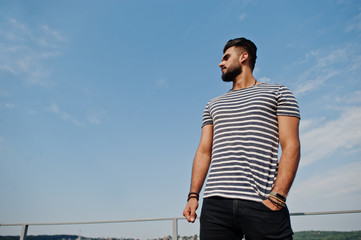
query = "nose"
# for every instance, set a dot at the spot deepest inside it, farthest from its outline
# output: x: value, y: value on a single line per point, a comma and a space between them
x: 221, y: 65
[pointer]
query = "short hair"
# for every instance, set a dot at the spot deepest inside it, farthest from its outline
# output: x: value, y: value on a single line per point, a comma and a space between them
x: 248, y: 45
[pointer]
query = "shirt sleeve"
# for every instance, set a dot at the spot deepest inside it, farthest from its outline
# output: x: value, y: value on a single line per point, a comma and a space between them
x: 207, y: 118
x: 287, y: 104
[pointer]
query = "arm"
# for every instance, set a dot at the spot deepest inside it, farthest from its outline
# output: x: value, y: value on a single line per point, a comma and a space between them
x: 201, y: 164
x: 287, y: 168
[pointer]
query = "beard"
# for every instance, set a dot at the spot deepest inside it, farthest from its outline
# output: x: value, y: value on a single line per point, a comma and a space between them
x: 231, y: 73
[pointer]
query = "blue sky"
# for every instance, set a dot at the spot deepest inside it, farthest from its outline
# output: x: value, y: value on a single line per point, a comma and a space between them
x: 101, y: 105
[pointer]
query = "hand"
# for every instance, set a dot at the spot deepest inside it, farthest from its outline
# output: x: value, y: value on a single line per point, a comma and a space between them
x: 271, y: 205
x: 190, y: 210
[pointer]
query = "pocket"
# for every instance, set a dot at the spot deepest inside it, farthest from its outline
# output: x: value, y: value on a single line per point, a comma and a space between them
x: 268, y: 209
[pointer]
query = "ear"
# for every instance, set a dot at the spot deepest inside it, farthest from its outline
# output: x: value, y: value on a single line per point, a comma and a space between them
x: 243, y: 57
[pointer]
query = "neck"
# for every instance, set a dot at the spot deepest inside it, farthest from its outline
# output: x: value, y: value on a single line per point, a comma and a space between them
x: 244, y: 80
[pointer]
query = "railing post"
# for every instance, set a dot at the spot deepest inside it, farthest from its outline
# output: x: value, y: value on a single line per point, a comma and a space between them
x: 175, y: 229
x: 24, y: 231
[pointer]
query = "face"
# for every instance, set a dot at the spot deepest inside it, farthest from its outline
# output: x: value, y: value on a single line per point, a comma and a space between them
x: 230, y: 65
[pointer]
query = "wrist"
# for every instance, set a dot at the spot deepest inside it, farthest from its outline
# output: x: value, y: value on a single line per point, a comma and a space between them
x: 193, y: 195
x: 280, y: 191
x: 192, y: 198
x: 276, y: 202
x: 280, y: 197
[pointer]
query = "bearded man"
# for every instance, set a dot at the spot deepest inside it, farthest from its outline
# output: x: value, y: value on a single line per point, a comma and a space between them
x: 247, y: 187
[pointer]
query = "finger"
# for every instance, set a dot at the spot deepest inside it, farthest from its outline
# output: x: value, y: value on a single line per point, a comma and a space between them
x: 186, y: 214
x: 192, y: 216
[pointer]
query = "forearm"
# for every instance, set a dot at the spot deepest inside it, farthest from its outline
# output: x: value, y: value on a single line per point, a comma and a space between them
x: 287, y: 168
x: 202, y: 159
x: 199, y: 172
x: 201, y: 164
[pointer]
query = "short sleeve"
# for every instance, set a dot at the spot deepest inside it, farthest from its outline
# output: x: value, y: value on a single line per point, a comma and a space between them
x: 287, y: 104
x: 207, y: 118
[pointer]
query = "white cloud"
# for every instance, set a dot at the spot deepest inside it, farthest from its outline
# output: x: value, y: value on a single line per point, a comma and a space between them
x: 356, y: 64
x: 24, y: 51
x: 338, y: 55
x: 64, y: 115
x: 309, y: 124
x: 31, y: 112
x: 93, y: 117
x: 53, y: 33
x: 242, y: 17
x: 162, y: 83
x: 354, y: 24
x: 93, y: 120
x: 323, y: 68
x: 353, y: 98
x: 7, y: 105
x: 265, y: 79
x: 314, y: 83
x: 245, y: 3
x: 328, y: 137
x: 334, y: 183
x: 1, y: 143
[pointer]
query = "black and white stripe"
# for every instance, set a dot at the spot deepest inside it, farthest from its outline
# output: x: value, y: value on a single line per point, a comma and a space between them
x: 245, y: 140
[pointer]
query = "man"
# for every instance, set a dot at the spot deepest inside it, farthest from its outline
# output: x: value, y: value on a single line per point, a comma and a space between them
x: 247, y: 187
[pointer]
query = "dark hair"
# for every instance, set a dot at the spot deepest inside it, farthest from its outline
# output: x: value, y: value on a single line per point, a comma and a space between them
x: 247, y: 44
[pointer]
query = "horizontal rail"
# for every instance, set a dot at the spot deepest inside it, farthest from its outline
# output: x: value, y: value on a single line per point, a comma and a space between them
x: 325, y: 213
x: 25, y: 226
x: 166, y: 219
x: 94, y: 222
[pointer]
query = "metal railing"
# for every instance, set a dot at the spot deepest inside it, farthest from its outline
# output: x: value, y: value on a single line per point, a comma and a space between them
x: 25, y: 226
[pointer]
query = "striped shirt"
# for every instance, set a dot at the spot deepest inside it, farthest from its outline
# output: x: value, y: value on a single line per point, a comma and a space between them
x: 245, y: 140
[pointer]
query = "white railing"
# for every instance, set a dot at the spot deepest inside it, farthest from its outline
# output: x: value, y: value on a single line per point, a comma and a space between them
x: 175, y: 220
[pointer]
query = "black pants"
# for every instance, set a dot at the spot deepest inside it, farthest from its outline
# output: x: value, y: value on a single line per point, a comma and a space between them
x: 230, y: 219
